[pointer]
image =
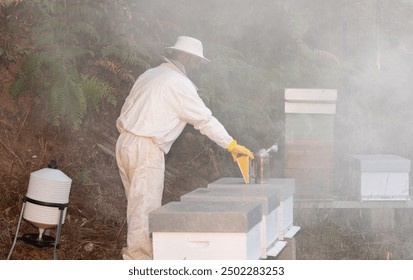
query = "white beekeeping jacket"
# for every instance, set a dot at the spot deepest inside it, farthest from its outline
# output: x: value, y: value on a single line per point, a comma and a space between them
x: 162, y: 101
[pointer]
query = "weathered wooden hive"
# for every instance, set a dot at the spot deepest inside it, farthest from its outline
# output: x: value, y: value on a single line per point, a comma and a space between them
x: 309, y: 141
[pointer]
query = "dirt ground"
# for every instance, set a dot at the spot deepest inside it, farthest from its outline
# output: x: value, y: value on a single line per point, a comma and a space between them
x: 94, y: 226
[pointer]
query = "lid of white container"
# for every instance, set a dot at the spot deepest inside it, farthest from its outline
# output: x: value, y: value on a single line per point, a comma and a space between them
x: 50, y: 174
x: 49, y: 185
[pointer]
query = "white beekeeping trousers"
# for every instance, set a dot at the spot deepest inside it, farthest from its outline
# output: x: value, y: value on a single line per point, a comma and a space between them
x: 142, y: 167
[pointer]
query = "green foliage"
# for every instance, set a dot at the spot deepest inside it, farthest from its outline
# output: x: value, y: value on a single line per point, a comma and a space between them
x: 96, y: 90
x: 119, y: 60
x: 8, y: 46
x: 127, y: 56
x: 9, y: 3
x: 63, y: 40
x: 6, y: 55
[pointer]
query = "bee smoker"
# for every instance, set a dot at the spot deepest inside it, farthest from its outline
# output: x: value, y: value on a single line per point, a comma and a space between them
x: 261, y: 165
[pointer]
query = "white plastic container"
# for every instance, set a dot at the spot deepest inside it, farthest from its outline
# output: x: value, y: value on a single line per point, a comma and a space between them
x: 46, y: 186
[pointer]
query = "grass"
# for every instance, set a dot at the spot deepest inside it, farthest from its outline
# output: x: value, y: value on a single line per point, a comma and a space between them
x: 352, y: 234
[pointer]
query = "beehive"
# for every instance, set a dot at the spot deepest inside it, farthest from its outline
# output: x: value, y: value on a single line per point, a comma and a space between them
x: 380, y: 177
x: 268, y: 199
x: 309, y: 141
x: 206, y: 230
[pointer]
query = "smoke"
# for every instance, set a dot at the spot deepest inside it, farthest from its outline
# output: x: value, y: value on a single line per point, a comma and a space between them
x: 361, y: 48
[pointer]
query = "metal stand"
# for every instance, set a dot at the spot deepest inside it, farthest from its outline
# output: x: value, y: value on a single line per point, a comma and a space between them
x: 56, y: 242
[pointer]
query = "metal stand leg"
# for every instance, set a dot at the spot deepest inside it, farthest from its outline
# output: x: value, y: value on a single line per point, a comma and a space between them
x: 58, y: 234
x: 17, y: 230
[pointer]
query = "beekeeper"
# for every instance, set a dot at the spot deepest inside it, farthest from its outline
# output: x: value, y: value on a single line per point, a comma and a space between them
x: 162, y: 101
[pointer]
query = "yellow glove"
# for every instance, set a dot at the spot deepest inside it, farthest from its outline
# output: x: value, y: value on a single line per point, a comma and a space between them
x: 236, y: 149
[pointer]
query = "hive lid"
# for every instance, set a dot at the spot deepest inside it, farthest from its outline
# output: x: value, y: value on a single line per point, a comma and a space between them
x: 381, y: 163
x: 284, y: 186
x: 310, y: 95
x: 189, y: 216
x: 50, y: 174
x: 268, y: 198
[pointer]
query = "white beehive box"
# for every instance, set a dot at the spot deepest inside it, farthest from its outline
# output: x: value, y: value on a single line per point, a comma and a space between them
x: 266, y: 197
x: 381, y: 176
x: 206, y: 231
x: 285, y: 188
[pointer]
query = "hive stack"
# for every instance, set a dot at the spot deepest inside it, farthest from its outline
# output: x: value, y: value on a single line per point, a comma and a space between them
x: 309, y: 141
x: 227, y: 220
x: 269, y: 207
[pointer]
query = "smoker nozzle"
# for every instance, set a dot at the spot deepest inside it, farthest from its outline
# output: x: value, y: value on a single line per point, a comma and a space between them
x: 273, y: 148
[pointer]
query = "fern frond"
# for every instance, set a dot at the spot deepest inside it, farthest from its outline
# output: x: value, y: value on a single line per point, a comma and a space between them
x: 9, y: 3
x: 125, y: 56
x: 317, y: 54
x: 84, y: 28
x: 46, y: 57
x: 326, y: 56
x: 78, y: 106
x: 45, y: 39
x: 48, y: 24
x: 116, y: 69
x: 56, y: 103
x: 73, y: 52
x: 52, y: 7
x: 126, y: 76
x: 108, y: 65
x: 305, y: 51
x: 30, y: 71
x: 66, y: 101
x: 96, y: 90
x: 79, y: 10
x: 18, y: 86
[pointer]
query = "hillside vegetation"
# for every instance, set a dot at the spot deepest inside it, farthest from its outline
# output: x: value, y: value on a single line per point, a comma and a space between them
x: 66, y: 67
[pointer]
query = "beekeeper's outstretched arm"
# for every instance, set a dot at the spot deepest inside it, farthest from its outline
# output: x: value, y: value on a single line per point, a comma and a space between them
x: 192, y: 110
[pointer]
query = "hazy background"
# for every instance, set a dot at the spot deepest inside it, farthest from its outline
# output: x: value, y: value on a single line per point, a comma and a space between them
x: 361, y: 48
x: 257, y: 48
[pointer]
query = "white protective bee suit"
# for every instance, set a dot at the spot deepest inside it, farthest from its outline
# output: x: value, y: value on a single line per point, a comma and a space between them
x: 162, y: 101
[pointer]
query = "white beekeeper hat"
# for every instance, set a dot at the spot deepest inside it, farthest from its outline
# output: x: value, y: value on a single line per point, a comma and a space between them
x: 189, y: 45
